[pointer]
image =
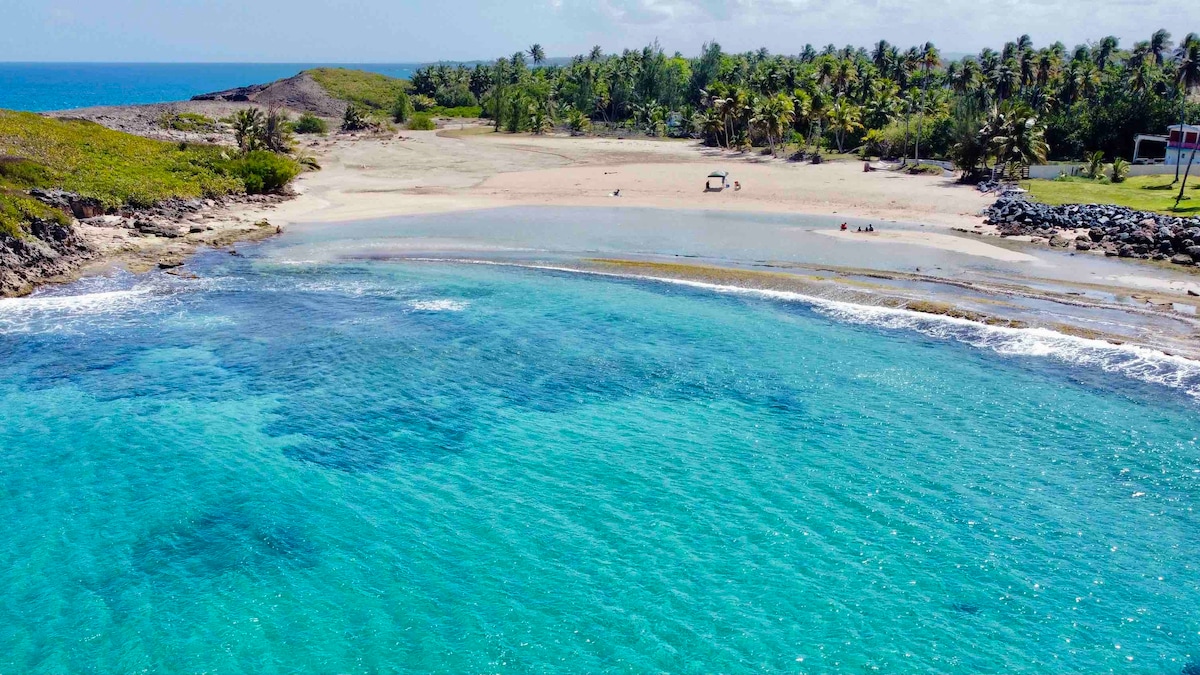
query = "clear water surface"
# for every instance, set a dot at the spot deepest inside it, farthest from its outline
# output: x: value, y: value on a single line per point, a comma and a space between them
x: 369, y: 466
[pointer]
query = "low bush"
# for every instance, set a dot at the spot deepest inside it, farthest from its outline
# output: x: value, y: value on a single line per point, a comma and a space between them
x: 421, y: 122
x: 187, y: 122
x: 309, y: 123
x: 422, y: 103
x: 469, y: 112
x: 926, y: 170
x: 263, y: 171
x: 16, y: 210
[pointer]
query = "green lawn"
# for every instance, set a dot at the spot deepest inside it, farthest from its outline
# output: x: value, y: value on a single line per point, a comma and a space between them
x: 372, y: 91
x: 1144, y: 193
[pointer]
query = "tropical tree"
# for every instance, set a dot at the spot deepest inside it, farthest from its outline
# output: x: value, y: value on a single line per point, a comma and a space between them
x: 537, y: 54
x: 930, y: 58
x: 1187, y: 78
x: 844, y: 118
x: 1017, y: 138
x: 772, y: 115
x: 247, y: 129
x: 1095, y: 164
x: 1118, y: 170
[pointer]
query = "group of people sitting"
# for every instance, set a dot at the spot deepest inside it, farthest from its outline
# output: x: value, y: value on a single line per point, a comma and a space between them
x: 868, y: 228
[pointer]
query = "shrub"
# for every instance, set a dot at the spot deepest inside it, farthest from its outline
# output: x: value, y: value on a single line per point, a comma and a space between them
x: 422, y: 103
x: 421, y: 122
x: 352, y: 119
x: 1119, y: 169
x: 455, y: 96
x: 926, y: 169
x: 401, y: 108
x: 470, y: 112
x: 309, y: 123
x: 187, y: 122
x: 262, y: 171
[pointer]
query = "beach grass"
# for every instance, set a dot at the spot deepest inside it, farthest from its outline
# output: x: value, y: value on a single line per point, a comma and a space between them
x: 374, y: 92
x: 114, y: 168
x: 1143, y: 193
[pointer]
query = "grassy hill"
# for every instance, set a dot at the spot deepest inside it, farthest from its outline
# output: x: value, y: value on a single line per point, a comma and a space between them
x: 372, y: 91
x: 113, y: 168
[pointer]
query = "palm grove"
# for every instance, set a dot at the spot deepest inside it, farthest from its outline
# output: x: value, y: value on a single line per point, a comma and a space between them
x: 1019, y: 105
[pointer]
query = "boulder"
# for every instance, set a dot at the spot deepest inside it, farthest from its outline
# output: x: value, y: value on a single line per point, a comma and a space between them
x: 1182, y: 259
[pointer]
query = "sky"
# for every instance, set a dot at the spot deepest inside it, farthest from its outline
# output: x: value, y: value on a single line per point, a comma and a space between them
x: 401, y: 31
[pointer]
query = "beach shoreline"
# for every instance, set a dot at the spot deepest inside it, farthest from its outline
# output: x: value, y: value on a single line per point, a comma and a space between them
x: 425, y: 173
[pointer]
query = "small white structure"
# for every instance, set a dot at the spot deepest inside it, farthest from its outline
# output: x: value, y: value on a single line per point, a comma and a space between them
x: 1182, y: 143
x: 1137, y: 148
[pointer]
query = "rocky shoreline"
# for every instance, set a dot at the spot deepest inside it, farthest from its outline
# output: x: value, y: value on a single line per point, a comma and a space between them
x: 158, y: 236
x: 1111, y: 230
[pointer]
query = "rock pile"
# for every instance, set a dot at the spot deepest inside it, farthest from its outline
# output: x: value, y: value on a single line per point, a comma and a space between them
x: 1115, y: 230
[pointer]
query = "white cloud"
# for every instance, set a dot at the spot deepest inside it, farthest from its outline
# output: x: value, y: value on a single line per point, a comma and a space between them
x: 786, y: 25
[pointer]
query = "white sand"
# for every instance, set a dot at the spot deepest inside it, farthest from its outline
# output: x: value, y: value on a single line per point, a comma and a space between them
x: 945, y: 242
x: 430, y: 172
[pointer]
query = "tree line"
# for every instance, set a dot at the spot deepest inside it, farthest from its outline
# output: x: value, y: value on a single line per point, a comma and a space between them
x: 1021, y: 104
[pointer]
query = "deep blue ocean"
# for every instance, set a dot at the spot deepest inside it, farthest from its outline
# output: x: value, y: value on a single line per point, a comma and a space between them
x: 59, y: 86
x: 364, y: 464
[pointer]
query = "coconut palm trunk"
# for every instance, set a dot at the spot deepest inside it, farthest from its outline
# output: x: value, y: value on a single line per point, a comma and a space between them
x: 1182, y: 136
x: 1182, y: 186
x: 920, y: 120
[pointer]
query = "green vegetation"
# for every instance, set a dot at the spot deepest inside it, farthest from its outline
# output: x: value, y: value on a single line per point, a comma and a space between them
x: 372, y: 92
x: 926, y: 169
x: 353, y: 118
x: 1014, y: 106
x: 16, y: 210
x: 309, y: 123
x: 110, y: 166
x: 1144, y: 193
x: 401, y: 108
x: 118, y: 169
x: 469, y: 112
x: 421, y: 122
x: 255, y: 131
x: 263, y: 171
x: 187, y: 122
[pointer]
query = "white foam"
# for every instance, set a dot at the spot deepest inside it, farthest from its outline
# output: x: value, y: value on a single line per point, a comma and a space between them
x: 437, y: 305
x: 1132, y: 361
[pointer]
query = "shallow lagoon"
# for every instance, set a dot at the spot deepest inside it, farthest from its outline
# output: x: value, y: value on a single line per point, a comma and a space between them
x: 371, y: 465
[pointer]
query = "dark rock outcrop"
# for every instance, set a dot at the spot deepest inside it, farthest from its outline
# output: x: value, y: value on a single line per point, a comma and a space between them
x: 1116, y: 230
x: 50, y: 250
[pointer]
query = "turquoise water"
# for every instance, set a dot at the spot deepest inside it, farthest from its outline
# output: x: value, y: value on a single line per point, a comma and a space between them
x: 60, y: 86
x: 380, y: 466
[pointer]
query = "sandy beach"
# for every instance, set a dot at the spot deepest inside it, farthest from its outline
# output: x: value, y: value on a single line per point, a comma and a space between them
x: 471, y: 169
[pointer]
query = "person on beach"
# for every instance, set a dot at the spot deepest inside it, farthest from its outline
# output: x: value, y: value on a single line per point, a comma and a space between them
x: 843, y: 227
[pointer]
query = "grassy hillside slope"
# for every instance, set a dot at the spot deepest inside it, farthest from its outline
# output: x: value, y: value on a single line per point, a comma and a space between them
x: 112, y: 168
x: 372, y: 91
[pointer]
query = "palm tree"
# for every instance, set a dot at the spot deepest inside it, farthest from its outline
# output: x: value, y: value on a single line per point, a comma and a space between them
x: 1017, y: 138
x: 596, y: 54
x: 930, y: 59
x: 1104, y: 51
x: 247, y: 129
x: 537, y: 54
x: 1187, y: 76
x: 772, y: 115
x: 1160, y: 43
x: 844, y: 118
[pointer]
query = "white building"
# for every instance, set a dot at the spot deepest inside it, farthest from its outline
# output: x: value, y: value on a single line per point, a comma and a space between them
x: 1182, y: 142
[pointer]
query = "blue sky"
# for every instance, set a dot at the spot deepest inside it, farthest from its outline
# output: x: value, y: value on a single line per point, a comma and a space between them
x: 403, y: 31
